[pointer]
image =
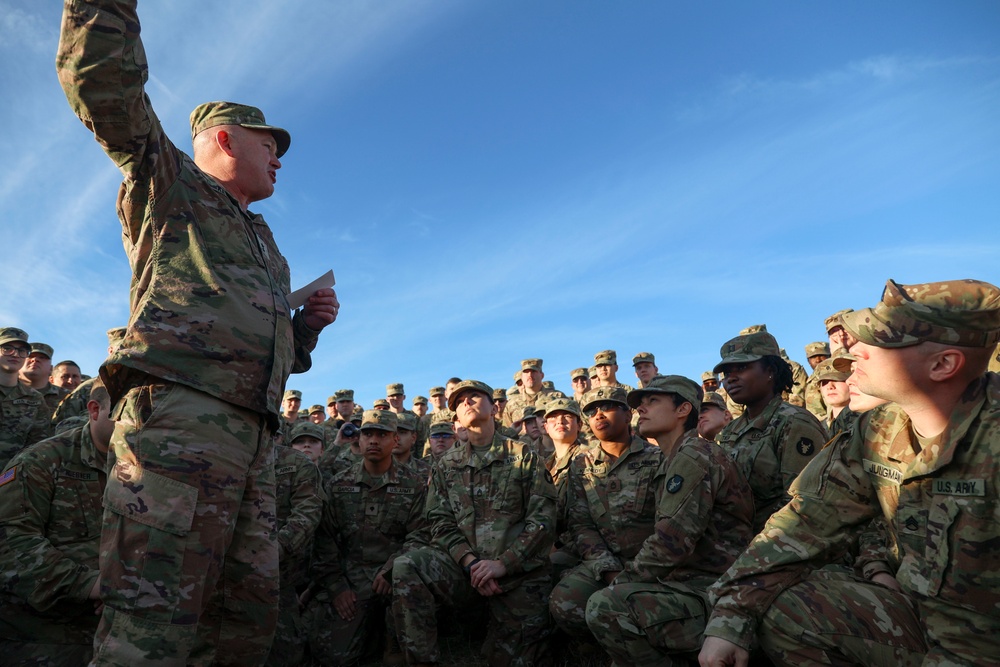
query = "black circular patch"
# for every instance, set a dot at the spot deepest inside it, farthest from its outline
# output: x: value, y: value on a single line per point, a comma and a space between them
x: 674, y: 484
x: 805, y: 447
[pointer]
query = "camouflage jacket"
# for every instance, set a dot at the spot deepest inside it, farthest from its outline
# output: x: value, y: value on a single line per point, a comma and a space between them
x: 75, y: 404
x: 612, y: 504
x: 50, y: 523
x: 941, y: 508
x: 498, y: 504
x: 559, y: 470
x: 814, y: 399
x: 208, y: 294
x: 53, y: 396
x: 24, y: 420
x: 704, y: 515
x: 518, y: 401
x: 365, y: 525
x: 299, y: 503
x: 771, y: 451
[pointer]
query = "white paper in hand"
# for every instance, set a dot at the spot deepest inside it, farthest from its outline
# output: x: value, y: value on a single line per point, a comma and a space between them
x: 297, y: 299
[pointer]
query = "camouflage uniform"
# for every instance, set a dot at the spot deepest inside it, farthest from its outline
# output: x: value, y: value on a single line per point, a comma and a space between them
x: 299, y: 502
x: 558, y: 467
x: 365, y: 524
x: 612, y: 509
x: 50, y: 520
x: 53, y: 396
x: 498, y: 504
x: 814, y: 399
x: 797, y: 396
x: 657, y: 606
x: 192, y: 572
x: 771, y: 450
x: 518, y: 402
x: 24, y: 420
x: 75, y: 403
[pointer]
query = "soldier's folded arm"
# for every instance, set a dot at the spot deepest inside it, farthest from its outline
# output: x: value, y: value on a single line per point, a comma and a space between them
x: 832, y: 502
x: 444, y: 528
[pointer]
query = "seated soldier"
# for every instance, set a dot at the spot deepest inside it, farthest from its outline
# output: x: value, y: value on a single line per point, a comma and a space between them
x: 713, y: 416
x: 654, y: 611
x: 50, y: 519
x: 832, y: 384
x: 612, y: 505
x: 491, y: 508
x: 562, y: 423
x: 371, y: 508
x: 815, y: 353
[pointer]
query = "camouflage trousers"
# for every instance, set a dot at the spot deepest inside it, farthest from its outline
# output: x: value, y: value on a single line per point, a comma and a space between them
x: 189, y: 562
x: 289, y: 646
x: 835, y: 618
x: 519, y: 619
x: 568, y: 600
x: 650, y: 624
x: 334, y: 641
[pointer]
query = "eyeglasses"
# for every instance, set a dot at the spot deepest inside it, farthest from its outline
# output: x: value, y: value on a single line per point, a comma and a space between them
x: 605, y: 407
x: 12, y: 351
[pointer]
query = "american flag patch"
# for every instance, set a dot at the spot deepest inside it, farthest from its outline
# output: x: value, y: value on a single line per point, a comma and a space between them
x: 8, y: 476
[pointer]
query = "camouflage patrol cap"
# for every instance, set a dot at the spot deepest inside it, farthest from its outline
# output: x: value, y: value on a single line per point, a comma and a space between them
x: 602, y: 394
x: 406, y: 421
x: 606, y: 358
x: 420, y: 400
x: 499, y: 394
x: 753, y: 328
x: 517, y: 378
x: 709, y: 375
x: 531, y: 365
x: 42, y: 348
x: 379, y: 420
x: 394, y: 389
x: 843, y: 361
x: 827, y: 370
x: 593, y: 372
x: 818, y: 348
x: 306, y: 428
x: 746, y: 348
x: 712, y: 398
x: 303, y: 414
x: 524, y: 412
x: 443, y: 416
x: 441, y: 428
x: 13, y: 335
x: 211, y: 114
x: 330, y: 400
x: 343, y: 395
x: 357, y: 413
x: 116, y: 334
x: 956, y: 312
x: 317, y: 408
x: 837, y: 319
x: 687, y: 389
x: 579, y: 373
x: 563, y: 405
x: 643, y: 357
x: 547, y: 384
x: 292, y: 393
x: 436, y: 391
x: 466, y: 386
x: 380, y: 404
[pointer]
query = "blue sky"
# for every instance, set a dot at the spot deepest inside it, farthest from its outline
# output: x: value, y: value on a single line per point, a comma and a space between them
x: 498, y: 180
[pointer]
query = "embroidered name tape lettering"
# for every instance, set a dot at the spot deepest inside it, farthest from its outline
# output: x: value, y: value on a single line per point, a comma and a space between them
x: 883, y: 471
x: 960, y: 487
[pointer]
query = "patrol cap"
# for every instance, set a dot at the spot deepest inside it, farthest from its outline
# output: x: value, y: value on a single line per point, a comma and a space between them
x: 687, y: 389
x: 12, y: 335
x: 826, y: 370
x: 420, y: 400
x: 547, y: 384
x: 436, y: 391
x: 753, y: 328
x: 303, y: 414
x: 818, y: 348
x: 306, y: 428
x: 954, y: 312
x: 579, y: 373
x: 380, y: 404
x: 606, y: 358
x: 470, y: 385
x: 843, y: 361
x: 531, y: 365
x: 406, y: 421
x: 517, y: 378
x: 394, y: 389
x: 317, y: 408
x: 746, y: 348
x: 837, y: 319
x: 441, y: 427
x: 115, y: 334
x: 593, y: 372
x: 712, y: 398
x: 292, y: 393
x: 211, y: 114
x: 357, y: 413
x: 563, y: 405
x: 42, y: 348
x: 343, y: 395
x: 524, y: 412
x: 602, y: 394
x: 709, y: 375
x: 447, y: 416
x: 499, y: 394
x: 379, y: 420
x: 330, y: 400
x: 643, y: 357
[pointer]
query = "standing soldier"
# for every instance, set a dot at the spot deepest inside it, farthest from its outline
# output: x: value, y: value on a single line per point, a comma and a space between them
x: 531, y: 392
x: 815, y: 353
x: 492, y: 513
x: 23, y: 418
x: 50, y: 519
x: 191, y: 568
x: 606, y: 363
x: 644, y: 364
x: 927, y: 463
x: 420, y: 410
x: 563, y: 420
x: 35, y: 374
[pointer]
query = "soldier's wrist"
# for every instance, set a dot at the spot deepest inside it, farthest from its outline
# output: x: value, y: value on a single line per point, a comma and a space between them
x: 468, y: 566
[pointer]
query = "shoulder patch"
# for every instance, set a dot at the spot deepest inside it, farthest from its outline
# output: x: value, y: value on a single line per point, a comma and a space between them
x: 8, y: 476
x: 805, y: 446
x: 674, y: 484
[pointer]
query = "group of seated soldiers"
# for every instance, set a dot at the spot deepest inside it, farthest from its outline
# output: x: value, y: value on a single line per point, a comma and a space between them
x: 601, y: 520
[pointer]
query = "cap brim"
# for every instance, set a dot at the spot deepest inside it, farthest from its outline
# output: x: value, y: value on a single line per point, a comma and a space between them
x: 868, y: 328
x: 634, y: 397
x: 736, y: 359
x: 375, y: 427
x: 281, y: 136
